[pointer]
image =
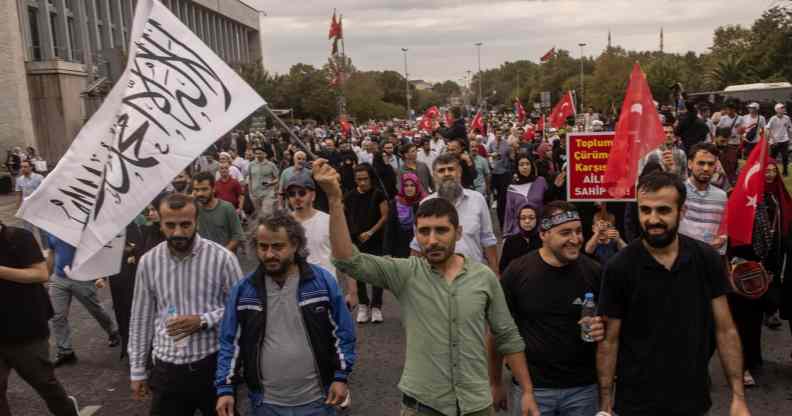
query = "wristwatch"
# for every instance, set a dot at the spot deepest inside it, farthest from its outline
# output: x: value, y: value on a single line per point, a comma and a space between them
x: 204, y: 324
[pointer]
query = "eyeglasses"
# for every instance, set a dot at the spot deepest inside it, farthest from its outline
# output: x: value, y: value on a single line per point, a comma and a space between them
x: 296, y: 192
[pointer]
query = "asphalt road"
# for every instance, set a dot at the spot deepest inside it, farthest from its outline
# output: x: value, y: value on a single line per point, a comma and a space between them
x: 100, y: 379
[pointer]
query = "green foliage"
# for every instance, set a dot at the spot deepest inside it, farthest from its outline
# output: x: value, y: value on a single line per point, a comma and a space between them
x: 761, y: 53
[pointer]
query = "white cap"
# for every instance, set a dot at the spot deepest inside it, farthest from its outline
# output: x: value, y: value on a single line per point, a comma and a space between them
x: 753, y: 105
x: 779, y: 106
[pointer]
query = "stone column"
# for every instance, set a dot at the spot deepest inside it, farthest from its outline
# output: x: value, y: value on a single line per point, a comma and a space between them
x: 16, y: 122
x: 118, y: 21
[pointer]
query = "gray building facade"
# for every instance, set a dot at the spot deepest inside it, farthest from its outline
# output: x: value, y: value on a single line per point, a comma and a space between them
x: 61, y: 57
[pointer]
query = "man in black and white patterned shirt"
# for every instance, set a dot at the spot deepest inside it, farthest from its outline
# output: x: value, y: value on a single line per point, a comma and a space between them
x: 180, y: 292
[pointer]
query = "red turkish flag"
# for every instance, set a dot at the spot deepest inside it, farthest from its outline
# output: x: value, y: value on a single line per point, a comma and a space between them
x: 549, y: 55
x: 638, y: 132
x: 346, y: 128
x: 563, y: 110
x: 432, y: 112
x: 747, y: 194
x: 427, y: 121
x: 477, y: 124
x: 519, y: 110
x: 335, y: 27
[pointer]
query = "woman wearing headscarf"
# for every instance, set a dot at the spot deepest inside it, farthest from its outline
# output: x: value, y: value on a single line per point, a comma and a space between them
x: 399, y: 230
x: 770, y: 229
x: 385, y: 176
x: 545, y: 165
x: 142, y: 235
x: 525, y: 186
x: 526, y: 240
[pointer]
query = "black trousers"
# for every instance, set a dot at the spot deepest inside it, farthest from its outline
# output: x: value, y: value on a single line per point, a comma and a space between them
x: 748, y: 317
x: 31, y: 361
x: 500, y: 184
x: 363, y: 297
x: 782, y: 148
x: 180, y: 390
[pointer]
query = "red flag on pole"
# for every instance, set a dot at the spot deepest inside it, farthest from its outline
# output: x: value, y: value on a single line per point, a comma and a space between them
x: 747, y: 194
x: 477, y: 124
x: 638, y: 132
x: 549, y: 55
x: 335, y: 27
x: 346, y: 128
x: 563, y: 110
x: 519, y: 110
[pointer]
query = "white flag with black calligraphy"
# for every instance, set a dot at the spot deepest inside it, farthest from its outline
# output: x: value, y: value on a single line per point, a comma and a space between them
x: 175, y: 98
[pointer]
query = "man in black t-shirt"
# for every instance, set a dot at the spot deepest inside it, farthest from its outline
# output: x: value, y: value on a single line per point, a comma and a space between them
x: 664, y: 297
x: 24, y: 311
x: 545, y: 290
x: 367, y: 212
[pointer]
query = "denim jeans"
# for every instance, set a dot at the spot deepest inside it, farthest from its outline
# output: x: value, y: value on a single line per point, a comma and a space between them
x: 61, y: 291
x: 317, y: 408
x: 575, y: 401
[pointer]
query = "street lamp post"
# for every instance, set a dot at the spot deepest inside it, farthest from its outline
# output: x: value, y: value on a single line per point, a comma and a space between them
x: 406, y: 83
x: 481, y: 76
x: 581, y: 76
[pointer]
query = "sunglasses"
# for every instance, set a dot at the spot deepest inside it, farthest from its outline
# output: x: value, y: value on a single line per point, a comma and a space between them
x: 296, y: 192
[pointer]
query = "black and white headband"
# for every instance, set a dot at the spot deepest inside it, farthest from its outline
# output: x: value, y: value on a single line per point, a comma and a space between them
x: 559, y: 219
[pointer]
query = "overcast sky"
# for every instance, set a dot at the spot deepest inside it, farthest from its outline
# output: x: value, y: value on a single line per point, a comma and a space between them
x: 440, y: 34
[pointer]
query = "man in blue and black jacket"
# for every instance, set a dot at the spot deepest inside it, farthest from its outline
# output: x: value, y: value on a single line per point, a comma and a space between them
x: 286, y: 332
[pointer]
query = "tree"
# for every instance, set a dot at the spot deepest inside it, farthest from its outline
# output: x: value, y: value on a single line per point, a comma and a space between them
x: 731, y: 70
x: 730, y: 40
x: 609, y: 81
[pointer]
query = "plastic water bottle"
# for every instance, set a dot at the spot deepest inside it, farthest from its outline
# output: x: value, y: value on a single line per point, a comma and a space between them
x: 588, y: 310
x: 182, y: 342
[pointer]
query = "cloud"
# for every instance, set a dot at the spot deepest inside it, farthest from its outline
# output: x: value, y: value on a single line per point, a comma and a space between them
x: 440, y: 34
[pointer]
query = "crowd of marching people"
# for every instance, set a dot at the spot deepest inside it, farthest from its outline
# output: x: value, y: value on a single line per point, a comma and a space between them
x: 335, y: 216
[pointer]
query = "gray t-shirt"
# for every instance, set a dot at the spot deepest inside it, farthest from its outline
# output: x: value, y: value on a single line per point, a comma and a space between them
x: 288, y: 367
x: 261, y: 173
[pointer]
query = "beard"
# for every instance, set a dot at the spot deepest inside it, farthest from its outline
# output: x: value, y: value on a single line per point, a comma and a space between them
x: 203, y: 200
x: 563, y: 254
x: 450, y: 190
x: 438, y: 254
x: 179, y: 186
x: 702, y: 178
x: 659, y: 240
x: 180, y: 244
x: 275, y: 267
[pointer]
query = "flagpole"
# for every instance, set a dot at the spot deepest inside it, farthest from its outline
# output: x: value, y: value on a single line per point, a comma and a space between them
x: 291, y: 133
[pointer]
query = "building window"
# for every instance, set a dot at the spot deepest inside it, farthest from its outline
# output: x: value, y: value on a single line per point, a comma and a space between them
x: 99, y: 45
x: 76, y: 52
x: 35, y: 40
x: 101, y: 11
x: 56, y: 44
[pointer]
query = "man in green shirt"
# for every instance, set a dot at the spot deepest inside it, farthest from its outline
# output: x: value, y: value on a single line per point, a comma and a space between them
x: 217, y: 219
x: 448, y: 302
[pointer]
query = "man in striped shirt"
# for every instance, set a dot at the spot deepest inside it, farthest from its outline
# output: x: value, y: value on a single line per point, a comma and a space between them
x: 705, y: 203
x: 180, y: 292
